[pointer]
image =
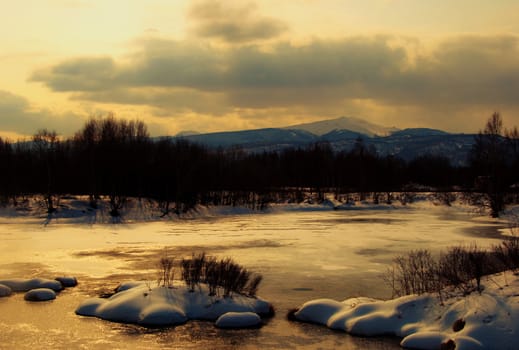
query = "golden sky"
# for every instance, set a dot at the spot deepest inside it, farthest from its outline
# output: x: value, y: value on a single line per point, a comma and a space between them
x: 213, y: 65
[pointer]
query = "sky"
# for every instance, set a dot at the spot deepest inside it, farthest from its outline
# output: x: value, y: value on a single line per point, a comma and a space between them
x: 216, y: 65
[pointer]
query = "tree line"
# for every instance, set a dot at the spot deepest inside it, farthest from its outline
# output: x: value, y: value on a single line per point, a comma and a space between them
x: 116, y: 159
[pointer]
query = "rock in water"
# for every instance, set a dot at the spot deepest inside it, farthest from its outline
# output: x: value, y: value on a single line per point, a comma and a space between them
x: 67, y: 281
x: 40, y: 294
x: 238, y: 320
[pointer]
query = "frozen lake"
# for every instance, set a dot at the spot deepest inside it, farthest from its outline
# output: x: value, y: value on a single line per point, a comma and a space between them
x: 302, y: 254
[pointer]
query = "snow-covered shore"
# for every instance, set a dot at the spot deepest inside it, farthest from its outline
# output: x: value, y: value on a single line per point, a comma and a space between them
x: 77, y: 210
x: 489, y: 320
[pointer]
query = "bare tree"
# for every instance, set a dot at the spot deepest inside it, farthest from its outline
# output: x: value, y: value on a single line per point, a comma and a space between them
x: 488, y: 157
x: 46, y: 143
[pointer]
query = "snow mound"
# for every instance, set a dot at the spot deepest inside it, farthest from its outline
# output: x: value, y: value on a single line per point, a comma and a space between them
x: 366, y: 317
x: 5, y: 291
x: 24, y: 285
x: 162, y: 314
x: 67, y: 281
x: 318, y: 311
x: 238, y: 320
x: 163, y: 306
x: 40, y: 294
x: 128, y: 285
x: 489, y: 320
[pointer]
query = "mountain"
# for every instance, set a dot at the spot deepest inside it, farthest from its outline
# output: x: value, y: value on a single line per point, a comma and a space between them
x: 406, y: 144
x: 337, y: 135
x: 252, y: 139
x: 419, y: 132
x: 345, y: 123
x: 413, y: 144
x: 187, y: 133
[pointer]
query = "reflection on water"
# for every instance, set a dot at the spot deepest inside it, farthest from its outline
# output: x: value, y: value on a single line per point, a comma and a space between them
x: 302, y: 256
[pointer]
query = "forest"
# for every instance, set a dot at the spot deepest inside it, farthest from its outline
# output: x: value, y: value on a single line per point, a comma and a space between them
x: 117, y: 159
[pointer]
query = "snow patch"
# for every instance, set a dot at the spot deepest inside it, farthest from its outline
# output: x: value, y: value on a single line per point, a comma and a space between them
x: 128, y: 285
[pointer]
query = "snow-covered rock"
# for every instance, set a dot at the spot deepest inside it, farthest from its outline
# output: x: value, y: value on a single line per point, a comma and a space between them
x: 163, y: 306
x: 318, y: 311
x: 24, y: 285
x: 489, y: 320
x: 5, y: 291
x: 67, y: 281
x: 40, y: 294
x: 128, y: 285
x: 160, y: 314
x: 238, y: 320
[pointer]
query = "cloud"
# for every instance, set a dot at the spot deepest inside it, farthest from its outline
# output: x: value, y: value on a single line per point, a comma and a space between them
x: 459, y: 73
x: 17, y: 116
x: 79, y: 74
x: 170, y: 99
x: 241, y: 23
x: 164, y: 63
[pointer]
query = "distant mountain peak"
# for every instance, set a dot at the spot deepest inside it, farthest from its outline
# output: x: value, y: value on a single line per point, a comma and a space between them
x: 357, y: 125
x: 187, y: 133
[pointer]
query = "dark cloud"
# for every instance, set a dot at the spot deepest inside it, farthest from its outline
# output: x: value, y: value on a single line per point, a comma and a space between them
x: 94, y: 74
x: 170, y: 99
x: 170, y: 63
x: 163, y: 63
x: 16, y: 116
x: 242, y: 23
x: 462, y: 71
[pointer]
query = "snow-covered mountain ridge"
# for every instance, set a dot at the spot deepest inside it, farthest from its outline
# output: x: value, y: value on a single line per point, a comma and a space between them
x: 341, y: 134
x: 357, y: 125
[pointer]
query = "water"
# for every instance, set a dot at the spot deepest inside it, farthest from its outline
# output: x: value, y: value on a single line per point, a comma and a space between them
x: 302, y: 255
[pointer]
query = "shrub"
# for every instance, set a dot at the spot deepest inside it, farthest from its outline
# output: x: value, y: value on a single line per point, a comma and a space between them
x: 166, y: 271
x: 508, y: 253
x: 454, y: 269
x: 224, y: 276
x: 192, y: 270
x: 234, y: 277
x: 252, y: 286
x: 445, y: 197
x: 212, y: 276
x: 460, y: 268
x: 414, y: 273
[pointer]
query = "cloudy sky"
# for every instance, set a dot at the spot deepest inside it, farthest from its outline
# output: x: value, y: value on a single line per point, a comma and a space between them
x: 213, y: 65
